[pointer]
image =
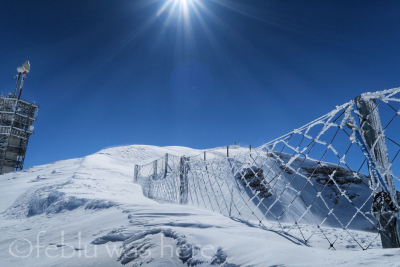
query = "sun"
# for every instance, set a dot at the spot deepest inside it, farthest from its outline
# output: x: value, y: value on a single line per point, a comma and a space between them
x: 177, y: 10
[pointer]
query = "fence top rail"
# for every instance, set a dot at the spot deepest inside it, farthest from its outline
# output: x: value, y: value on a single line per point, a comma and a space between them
x: 218, y: 151
x: 385, y: 95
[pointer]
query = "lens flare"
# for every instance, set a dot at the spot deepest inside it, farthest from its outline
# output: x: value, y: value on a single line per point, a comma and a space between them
x: 173, y: 11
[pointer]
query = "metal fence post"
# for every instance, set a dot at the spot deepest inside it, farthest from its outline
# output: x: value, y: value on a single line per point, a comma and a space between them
x: 135, y: 178
x: 166, y: 163
x: 205, y: 156
x: 227, y: 151
x: 183, y: 188
x: 155, y: 170
x: 371, y: 127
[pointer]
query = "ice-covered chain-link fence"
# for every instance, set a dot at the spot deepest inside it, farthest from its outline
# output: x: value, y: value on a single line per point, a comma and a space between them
x: 333, y: 179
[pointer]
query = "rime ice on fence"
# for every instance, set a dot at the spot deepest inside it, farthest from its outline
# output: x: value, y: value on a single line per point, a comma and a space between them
x: 304, y: 183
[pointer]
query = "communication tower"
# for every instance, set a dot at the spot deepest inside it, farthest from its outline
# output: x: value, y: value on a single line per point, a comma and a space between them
x: 16, y: 119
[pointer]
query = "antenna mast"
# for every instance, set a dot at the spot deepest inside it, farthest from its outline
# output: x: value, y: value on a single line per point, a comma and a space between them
x: 24, y: 69
x: 16, y: 86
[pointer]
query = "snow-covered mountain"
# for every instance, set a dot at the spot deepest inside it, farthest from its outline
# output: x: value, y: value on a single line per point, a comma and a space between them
x: 88, y: 212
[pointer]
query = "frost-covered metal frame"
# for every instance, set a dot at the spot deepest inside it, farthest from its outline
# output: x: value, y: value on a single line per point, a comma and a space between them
x: 16, y: 119
x: 314, y: 179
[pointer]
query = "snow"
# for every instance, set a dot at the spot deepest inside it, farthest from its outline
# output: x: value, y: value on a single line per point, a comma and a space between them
x: 77, y: 212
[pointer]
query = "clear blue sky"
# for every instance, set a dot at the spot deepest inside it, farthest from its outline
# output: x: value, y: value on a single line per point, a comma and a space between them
x: 118, y: 72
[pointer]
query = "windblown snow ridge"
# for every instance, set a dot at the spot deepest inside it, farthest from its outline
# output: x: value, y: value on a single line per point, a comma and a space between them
x: 50, y: 200
x: 135, y: 245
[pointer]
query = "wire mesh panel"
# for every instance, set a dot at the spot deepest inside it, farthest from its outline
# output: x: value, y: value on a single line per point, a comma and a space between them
x: 329, y: 183
x: 160, y: 179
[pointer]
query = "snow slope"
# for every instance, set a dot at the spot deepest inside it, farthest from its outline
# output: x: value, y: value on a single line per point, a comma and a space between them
x: 88, y: 212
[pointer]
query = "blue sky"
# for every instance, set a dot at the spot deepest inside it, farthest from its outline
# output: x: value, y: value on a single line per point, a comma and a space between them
x: 118, y: 72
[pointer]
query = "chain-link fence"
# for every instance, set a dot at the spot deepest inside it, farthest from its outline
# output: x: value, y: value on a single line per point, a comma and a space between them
x: 332, y: 179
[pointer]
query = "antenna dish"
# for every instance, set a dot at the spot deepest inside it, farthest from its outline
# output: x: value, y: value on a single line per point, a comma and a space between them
x: 20, y: 69
x: 26, y: 66
x: 31, y: 128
